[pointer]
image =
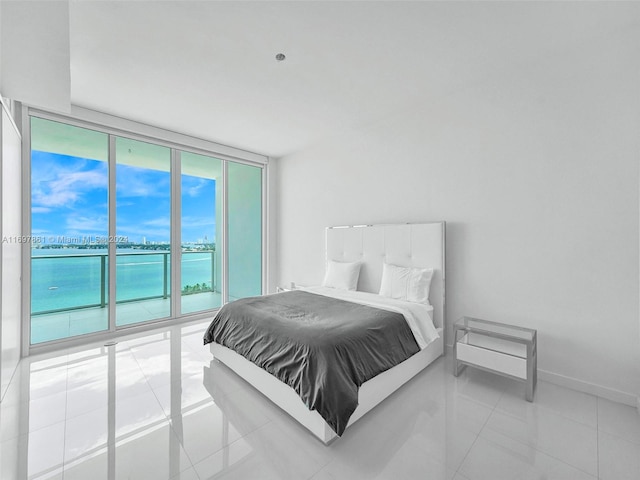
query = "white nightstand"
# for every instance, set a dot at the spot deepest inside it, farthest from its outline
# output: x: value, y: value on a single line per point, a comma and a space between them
x: 504, y: 349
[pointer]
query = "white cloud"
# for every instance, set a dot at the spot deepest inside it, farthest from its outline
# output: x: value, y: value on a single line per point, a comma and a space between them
x: 140, y: 182
x: 40, y: 209
x: 84, y: 225
x: 64, y: 187
x: 158, y: 222
x: 190, y: 222
x: 195, y: 188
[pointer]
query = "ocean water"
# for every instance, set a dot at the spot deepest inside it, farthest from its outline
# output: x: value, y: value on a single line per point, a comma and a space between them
x: 67, y: 278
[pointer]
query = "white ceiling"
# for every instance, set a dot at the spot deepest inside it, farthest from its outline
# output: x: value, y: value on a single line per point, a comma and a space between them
x: 208, y: 69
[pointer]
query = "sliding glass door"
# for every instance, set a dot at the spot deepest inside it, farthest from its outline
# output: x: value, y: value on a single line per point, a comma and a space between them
x: 201, y: 204
x: 104, y: 202
x: 143, y: 231
x: 69, y: 230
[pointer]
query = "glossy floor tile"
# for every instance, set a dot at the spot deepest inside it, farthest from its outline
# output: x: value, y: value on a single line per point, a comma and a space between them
x: 157, y: 406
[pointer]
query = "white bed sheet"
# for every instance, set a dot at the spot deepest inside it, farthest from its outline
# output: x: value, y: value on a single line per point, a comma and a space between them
x: 418, y: 315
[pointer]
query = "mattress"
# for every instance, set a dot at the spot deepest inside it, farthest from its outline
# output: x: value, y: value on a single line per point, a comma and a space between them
x: 419, y: 316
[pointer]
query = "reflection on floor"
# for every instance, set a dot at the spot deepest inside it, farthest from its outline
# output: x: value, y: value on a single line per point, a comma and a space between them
x: 156, y: 407
x: 69, y: 323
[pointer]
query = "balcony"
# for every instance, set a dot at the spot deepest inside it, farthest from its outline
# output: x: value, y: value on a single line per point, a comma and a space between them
x: 70, y: 293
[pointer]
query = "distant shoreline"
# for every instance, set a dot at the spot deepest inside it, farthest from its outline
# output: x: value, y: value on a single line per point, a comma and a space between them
x: 206, y: 247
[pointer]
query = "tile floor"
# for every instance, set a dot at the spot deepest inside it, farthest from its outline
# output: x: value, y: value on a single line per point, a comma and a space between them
x: 156, y: 407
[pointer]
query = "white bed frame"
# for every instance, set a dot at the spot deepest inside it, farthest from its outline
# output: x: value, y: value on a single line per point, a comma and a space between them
x: 411, y: 245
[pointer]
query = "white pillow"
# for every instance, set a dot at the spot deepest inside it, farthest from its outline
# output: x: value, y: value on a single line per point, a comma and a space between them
x: 342, y: 275
x: 406, y: 283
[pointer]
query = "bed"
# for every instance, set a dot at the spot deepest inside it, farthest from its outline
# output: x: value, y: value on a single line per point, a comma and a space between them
x: 415, y: 247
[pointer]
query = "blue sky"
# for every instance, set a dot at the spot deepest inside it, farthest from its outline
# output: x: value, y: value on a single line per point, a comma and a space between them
x: 69, y: 198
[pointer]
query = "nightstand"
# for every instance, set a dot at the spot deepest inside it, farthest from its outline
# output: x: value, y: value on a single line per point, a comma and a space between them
x: 497, y: 347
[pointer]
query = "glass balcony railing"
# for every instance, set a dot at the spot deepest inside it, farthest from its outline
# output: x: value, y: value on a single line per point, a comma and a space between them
x: 76, y: 281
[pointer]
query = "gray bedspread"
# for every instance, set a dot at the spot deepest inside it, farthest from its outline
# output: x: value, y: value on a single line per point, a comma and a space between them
x: 322, y: 347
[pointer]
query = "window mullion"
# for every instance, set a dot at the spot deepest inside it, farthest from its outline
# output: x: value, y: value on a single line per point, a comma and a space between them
x: 225, y: 237
x: 111, y: 246
x: 176, y: 247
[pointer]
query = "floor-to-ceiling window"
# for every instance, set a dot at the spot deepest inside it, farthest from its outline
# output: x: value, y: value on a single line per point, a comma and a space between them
x: 200, y: 210
x: 69, y: 229
x: 106, y: 202
x: 143, y: 231
x: 245, y: 228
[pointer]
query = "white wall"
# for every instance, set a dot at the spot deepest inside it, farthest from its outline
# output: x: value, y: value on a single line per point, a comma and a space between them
x: 10, y: 250
x: 35, y: 61
x: 536, y: 173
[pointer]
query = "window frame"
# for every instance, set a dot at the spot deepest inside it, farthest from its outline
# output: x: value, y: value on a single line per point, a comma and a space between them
x: 177, y: 142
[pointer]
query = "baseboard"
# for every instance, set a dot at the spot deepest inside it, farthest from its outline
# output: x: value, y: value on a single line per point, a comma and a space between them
x: 591, y: 388
x: 585, y: 387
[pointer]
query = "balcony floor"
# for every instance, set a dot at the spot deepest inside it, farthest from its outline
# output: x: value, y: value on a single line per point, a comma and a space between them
x: 59, y: 325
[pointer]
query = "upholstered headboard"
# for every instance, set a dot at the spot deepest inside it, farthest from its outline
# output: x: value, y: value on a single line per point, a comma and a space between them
x: 409, y: 245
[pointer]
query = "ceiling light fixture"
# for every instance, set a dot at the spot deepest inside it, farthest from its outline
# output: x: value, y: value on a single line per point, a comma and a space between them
x: 280, y: 57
